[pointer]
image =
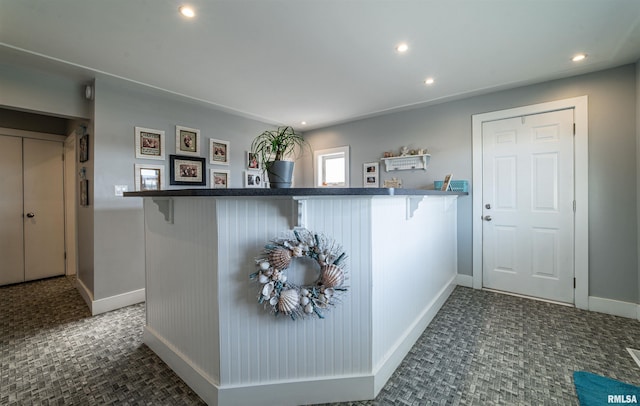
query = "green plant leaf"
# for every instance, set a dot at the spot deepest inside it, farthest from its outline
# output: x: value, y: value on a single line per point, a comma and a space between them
x: 280, y: 143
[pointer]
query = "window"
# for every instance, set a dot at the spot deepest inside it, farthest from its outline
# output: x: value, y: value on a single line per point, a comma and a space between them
x: 332, y: 167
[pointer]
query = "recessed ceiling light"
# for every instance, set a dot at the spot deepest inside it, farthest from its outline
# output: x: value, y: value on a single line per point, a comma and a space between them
x: 187, y: 11
x: 429, y: 81
x: 303, y: 122
x: 402, y: 47
x: 579, y: 57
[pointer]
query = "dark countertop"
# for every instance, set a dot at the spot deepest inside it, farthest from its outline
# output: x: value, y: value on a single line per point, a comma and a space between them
x: 292, y: 192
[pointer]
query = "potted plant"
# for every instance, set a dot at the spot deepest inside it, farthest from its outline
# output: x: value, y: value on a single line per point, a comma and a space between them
x: 272, y: 146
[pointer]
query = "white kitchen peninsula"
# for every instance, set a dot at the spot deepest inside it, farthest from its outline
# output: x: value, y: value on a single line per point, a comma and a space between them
x: 204, y: 320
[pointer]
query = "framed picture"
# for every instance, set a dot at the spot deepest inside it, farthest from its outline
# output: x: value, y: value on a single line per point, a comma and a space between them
x: 187, y: 141
x: 447, y: 182
x: 84, y: 148
x: 393, y: 183
x: 218, y: 152
x: 219, y: 179
x: 186, y: 170
x: 84, y: 192
x: 370, y: 174
x: 149, y: 177
x: 252, y: 161
x: 149, y: 143
x: 253, y: 179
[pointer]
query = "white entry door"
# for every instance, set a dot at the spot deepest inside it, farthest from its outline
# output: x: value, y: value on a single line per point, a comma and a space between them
x: 528, y: 209
x: 43, y: 209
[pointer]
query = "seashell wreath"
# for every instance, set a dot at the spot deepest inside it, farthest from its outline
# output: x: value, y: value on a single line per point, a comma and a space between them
x: 282, y: 297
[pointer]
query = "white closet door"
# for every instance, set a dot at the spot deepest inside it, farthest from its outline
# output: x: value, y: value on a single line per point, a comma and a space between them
x: 43, y: 209
x: 11, y: 237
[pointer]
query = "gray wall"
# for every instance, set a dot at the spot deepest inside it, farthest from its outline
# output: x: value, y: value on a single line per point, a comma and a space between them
x: 110, y: 229
x: 445, y: 129
x: 85, y: 214
x: 37, y: 91
x: 111, y: 259
x: 118, y: 246
x: 50, y: 95
x: 638, y: 162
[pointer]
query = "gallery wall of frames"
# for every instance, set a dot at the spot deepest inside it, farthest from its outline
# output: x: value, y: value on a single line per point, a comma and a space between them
x: 188, y: 166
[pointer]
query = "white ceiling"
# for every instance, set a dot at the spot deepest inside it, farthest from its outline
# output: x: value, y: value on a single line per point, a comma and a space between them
x: 321, y: 61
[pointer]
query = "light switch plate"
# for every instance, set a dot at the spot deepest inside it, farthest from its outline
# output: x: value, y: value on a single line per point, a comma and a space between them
x: 120, y: 189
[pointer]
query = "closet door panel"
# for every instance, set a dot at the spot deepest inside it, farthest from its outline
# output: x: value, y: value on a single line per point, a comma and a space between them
x: 11, y: 236
x: 43, y: 208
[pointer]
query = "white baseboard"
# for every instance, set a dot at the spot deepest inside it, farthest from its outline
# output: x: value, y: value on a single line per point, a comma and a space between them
x: 118, y: 301
x: 614, y: 307
x: 304, y: 392
x: 387, y: 367
x: 596, y: 304
x: 284, y: 393
x: 86, y: 294
x: 296, y: 392
x: 201, y: 383
x: 109, y: 303
x: 464, y: 280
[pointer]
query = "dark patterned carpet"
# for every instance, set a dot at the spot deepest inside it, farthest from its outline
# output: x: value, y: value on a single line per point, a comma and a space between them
x: 482, y: 348
x: 52, y: 352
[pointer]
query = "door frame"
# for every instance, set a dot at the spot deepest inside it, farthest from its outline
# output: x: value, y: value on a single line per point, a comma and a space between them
x: 581, y: 187
x: 70, y: 199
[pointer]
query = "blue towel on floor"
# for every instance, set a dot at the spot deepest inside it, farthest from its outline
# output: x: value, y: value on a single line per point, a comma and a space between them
x: 596, y: 390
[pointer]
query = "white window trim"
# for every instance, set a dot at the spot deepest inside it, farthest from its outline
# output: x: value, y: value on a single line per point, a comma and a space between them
x: 318, y: 156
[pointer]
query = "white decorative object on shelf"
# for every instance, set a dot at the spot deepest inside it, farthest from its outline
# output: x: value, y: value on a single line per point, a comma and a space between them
x: 403, y: 163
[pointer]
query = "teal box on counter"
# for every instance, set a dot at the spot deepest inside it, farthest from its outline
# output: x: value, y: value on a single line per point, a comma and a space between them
x: 456, y: 185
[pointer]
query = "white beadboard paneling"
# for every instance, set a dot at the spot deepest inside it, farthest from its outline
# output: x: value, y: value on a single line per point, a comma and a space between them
x: 181, y: 283
x: 348, y: 222
x: 204, y: 319
x: 413, y: 259
x: 257, y: 347
x: 252, y: 343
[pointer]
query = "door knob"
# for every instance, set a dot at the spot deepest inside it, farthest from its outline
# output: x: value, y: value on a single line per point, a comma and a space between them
x: 487, y: 218
x: 31, y: 215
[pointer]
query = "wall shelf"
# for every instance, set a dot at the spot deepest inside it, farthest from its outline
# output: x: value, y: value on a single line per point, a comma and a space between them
x: 407, y: 162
